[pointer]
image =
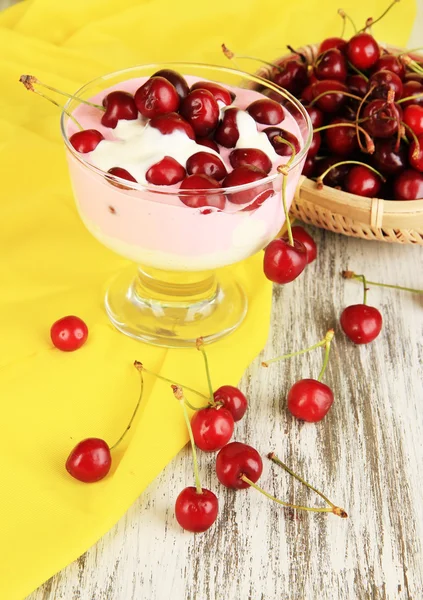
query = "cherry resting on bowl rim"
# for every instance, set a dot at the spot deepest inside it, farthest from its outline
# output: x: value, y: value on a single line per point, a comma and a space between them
x: 150, y: 225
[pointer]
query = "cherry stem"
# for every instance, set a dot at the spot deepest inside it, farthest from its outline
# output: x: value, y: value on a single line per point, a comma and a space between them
x: 408, y: 52
x: 344, y: 22
x: 352, y: 275
x: 410, y: 63
x: 344, y: 15
x: 329, y: 334
x: 179, y: 395
x: 358, y: 115
x: 134, y: 413
x: 140, y: 366
x: 334, y: 92
x: 409, y: 98
x: 284, y: 169
x: 369, y: 142
x: 353, y: 68
x: 371, y: 22
x: 300, y: 54
x: 231, y: 55
x: 319, y: 180
x: 71, y: 96
x: 416, y: 150
x: 200, y: 346
x: 340, y: 512
x: 328, y: 340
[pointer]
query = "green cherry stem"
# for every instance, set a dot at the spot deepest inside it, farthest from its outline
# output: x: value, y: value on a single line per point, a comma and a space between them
x: 179, y: 395
x: 370, y: 146
x: 231, y: 56
x: 134, y: 413
x: 340, y: 512
x: 353, y: 68
x: 370, y: 22
x: 284, y: 170
x: 141, y: 367
x: 352, y: 275
x: 313, y: 102
x: 319, y: 180
x: 344, y: 15
x: 328, y: 340
x: 200, y: 346
x: 31, y: 80
x: 409, y: 98
x: 322, y: 342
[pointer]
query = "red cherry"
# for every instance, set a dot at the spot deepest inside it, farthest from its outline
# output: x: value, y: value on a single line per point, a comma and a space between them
x: 361, y: 323
x: 283, y: 262
x: 357, y: 85
x: 331, y: 64
x: 315, y: 144
x: 69, y: 333
x: 332, y: 102
x: 383, y: 82
x: 387, y: 159
x: 413, y: 117
x: 233, y: 400
x: 316, y: 116
x: 336, y: 176
x: 332, y: 42
x: 204, y: 163
x: 242, y: 176
x: 201, y: 194
x: 176, y: 80
x: 250, y: 156
x: 341, y: 140
x: 156, y: 97
x: 201, y: 110
x: 212, y: 428
x: 412, y: 88
x: 86, y: 140
x: 119, y: 105
x: 168, y: 124
x: 122, y: 174
x: 408, y: 185
x: 220, y: 93
x: 291, y: 75
x: 280, y: 148
x: 381, y: 118
x: 308, y: 167
x: 165, y: 172
x: 227, y: 133
x: 309, y: 400
x: 301, y: 235
x: 236, y: 459
x: 362, y: 182
x: 416, y: 158
x: 89, y: 461
x: 196, y: 512
x: 307, y: 94
x: 266, y: 111
x: 363, y: 51
x: 390, y: 63
x: 208, y: 143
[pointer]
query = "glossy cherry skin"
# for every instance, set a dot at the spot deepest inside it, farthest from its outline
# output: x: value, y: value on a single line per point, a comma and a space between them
x: 363, y: 51
x: 331, y: 64
x: 219, y: 92
x: 362, y: 182
x: 307, y: 94
x: 176, y: 79
x: 410, y: 89
x: 233, y: 400
x: 309, y: 400
x: 282, y: 262
x: 387, y: 159
x: 413, y: 117
x: 242, y: 176
x: 408, y: 185
x: 157, y: 96
x: 201, y: 110
x: 291, y: 75
x: 391, y: 63
x: 301, y: 235
x: 165, y: 172
x: 341, y: 140
x: 384, y: 81
x: 89, y: 461
x: 196, y: 512
x: 309, y: 167
x: 250, y: 156
x: 361, y: 323
x: 266, y: 111
x: 171, y: 122
x: 330, y: 102
x: 227, y: 133
x: 69, y: 333
x: 208, y: 143
x: 119, y: 105
x: 336, y: 176
x: 332, y: 42
x: 316, y: 116
x: 122, y: 174
x: 237, y: 459
x: 415, y: 158
x: 280, y: 148
x: 205, y: 163
x: 382, y: 118
x: 86, y: 140
x: 316, y: 142
x: 212, y: 428
x: 198, y: 197
x: 357, y: 85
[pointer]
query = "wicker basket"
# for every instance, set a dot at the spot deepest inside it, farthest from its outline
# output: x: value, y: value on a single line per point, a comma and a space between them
x: 368, y: 218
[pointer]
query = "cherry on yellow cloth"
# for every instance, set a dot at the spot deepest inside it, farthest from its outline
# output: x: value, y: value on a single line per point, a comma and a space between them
x: 51, y: 267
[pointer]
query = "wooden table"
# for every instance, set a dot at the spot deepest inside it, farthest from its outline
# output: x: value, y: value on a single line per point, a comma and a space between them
x: 365, y: 456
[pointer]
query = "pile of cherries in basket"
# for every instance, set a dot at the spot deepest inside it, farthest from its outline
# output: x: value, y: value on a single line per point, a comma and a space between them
x: 366, y: 105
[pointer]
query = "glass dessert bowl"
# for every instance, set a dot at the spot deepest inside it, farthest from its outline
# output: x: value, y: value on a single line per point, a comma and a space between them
x: 181, y: 238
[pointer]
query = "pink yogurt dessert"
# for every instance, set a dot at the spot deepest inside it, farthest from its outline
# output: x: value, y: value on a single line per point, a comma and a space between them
x: 169, y: 227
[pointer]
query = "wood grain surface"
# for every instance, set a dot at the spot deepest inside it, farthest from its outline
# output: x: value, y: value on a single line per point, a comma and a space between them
x: 366, y: 455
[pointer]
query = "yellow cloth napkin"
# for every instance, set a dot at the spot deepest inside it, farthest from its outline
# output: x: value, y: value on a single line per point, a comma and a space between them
x: 51, y: 267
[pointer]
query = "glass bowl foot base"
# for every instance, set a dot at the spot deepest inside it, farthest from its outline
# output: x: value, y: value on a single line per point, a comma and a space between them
x: 172, y: 309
